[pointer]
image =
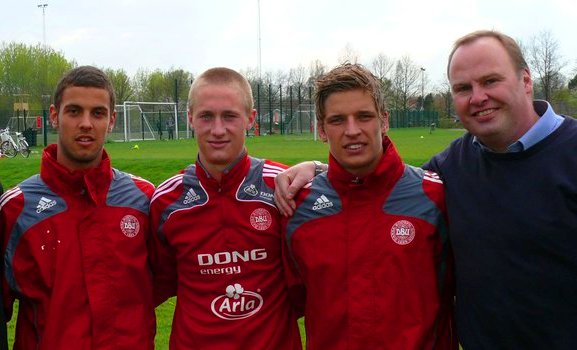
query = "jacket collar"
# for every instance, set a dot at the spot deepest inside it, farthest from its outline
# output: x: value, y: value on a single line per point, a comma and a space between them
x: 94, y: 181
x: 386, y: 174
x: 232, y: 176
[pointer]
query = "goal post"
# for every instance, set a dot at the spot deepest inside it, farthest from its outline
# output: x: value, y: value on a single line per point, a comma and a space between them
x: 135, y: 124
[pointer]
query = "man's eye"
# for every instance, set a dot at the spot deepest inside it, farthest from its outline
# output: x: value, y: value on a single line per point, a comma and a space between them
x: 460, y: 89
x: 365, y: 117
x: 335, y: 120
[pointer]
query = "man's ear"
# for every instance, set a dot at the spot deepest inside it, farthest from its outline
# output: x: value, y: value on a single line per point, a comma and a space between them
x: 112, y: 121
x: 189, y: 118
x: 251, y: 119
x: 322, y: 133
x: 53, y: 116
x: 384, y: 123
x: 527, y: 81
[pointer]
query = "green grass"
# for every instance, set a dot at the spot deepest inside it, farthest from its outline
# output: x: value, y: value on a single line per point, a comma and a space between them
x: 158, y: 160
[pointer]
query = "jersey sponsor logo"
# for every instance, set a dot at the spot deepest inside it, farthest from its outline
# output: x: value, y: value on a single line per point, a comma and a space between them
x: 251, y: 190
x: 190, y: 197
x: 403, y: 232
x: 266, y: 195
x: 129, y: 226
x: 322, y: 202
x: 44, y: 203
x: 222, y: 258
x: 229, y: 270
x: 236, y: 303
x: 260, y: 219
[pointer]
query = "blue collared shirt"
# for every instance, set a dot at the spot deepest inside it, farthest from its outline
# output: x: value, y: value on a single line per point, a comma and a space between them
x: 548, y: 122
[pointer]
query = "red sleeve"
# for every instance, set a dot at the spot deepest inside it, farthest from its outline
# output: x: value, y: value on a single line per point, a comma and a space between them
x: 271, y: 170
x: 295, y: 285
x: 161, y: 255
x: 11, y: 204
x: 446, y: 330
x: 144, y: 185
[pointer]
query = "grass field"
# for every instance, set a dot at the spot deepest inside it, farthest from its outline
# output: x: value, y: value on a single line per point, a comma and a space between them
x: 158, y: 160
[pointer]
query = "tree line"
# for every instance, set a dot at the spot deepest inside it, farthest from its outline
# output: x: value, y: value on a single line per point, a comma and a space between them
x: 30, y: 73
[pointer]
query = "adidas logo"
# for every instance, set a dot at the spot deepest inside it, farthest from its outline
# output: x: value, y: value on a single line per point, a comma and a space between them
x: 44, y: 203
x: 190, y: 197
x: 322, y: 202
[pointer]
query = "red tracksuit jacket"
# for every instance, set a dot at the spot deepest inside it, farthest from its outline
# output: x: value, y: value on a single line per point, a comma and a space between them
x: 74, y: 249
x: 217, y: 247
x: 373, y: 255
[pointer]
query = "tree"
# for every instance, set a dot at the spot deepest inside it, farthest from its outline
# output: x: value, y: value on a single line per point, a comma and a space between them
x: 445, y: 100
x: 428, y: 103
x: 545, y: 62
x: 348, y: 55
x: 405, y: 84
x: 381, y: 67
x: 122, y: 84
x: 316, y: 70
x: 178, y: 83
x: 573, y: 83
x: 297, y: 76
x: 159, y: 86
x: 30, y: 70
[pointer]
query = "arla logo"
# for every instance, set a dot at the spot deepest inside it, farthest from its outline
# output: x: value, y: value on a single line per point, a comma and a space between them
x: 403, y: 232
x: 129, y: 226
x: 236, y: 303
x: 251, y: 190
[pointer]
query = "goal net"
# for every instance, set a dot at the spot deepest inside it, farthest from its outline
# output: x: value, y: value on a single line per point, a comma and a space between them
x: 136, y: 120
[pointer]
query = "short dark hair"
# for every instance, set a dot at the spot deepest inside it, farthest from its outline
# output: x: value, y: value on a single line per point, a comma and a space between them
x: 513, y: 49
x: 84, y: 76
x: 347, y: 77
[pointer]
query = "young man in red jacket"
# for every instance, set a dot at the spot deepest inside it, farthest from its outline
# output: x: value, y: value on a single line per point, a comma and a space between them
x: 368, y: 238
x: 216, y: 235
x: 74, y: 243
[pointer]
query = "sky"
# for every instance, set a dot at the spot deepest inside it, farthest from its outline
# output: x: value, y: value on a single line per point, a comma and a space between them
x: 195, y: 35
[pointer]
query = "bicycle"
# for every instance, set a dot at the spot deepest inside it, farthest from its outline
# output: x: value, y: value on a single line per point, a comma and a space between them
x: 9, y: 147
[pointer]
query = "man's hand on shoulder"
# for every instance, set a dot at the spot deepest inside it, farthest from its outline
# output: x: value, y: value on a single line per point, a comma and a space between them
x: 290, y: 181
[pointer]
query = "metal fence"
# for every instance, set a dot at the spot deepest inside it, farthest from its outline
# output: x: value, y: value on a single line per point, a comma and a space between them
x: 283, y: 109
x: 411, y: 119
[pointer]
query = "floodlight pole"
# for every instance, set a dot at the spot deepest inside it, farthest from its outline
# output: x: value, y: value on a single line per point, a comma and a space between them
x: 259, y: 44
x: 422, y: 88
x: 43, y: 6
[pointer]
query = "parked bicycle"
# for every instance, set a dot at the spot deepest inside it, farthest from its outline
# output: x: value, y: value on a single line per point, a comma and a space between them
x: 9, y: 147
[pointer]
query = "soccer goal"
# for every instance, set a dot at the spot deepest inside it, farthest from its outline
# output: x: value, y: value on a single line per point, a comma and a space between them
x: 302, y: 121
x: 138, y: 120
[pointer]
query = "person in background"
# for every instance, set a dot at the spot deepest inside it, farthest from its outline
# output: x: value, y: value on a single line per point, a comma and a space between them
x: 74, y: 236
x: 216, y: 234
x: 368, y: 238
x: 170, y: 128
